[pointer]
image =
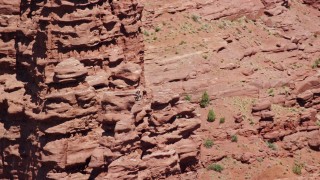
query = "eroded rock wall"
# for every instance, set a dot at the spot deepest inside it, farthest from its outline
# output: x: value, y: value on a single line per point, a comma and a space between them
x: 73, y: 100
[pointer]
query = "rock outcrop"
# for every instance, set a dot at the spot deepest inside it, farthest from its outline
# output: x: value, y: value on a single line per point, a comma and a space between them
x: 313, y: 3
x: 73, y: 101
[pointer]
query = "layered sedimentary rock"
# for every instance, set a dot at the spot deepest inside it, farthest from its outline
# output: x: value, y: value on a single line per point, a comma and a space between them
x: 313, y: 3
x: 73, y: 104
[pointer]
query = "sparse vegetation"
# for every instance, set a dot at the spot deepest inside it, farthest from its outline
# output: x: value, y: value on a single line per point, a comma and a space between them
x: 195, y: 18
x: 215, y: 167
x: 222, y: 120
x: 318, y: 123
x: 271, y: 145
x: 208, y: 143
x: 182, y: 43
x: 297, y: 167
x: 204, y: 102
x: 260, y: 159
x: 271, y: 92
x: 316, y: 63
x: 243, y: 104
x: 251, y: 122
x: 157, y: 29
x: 187, y: 98
x: 205, y: 56
x: 234, y: 138
x: 146, y: 33
x: 211, y: 116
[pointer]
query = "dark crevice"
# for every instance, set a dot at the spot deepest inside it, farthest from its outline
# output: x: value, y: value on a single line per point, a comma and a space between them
x: 108, y: 129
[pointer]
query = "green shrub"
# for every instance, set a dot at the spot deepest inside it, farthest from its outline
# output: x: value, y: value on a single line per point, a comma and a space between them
x: 146, y: 33
x: 211, y: 116
x: 251, y: 122
x: 208, y: 143
x: 297, y: 168
x: 195, y: 18
x: 204, y: 102
x: 316, y: 64
x: 222, y: 120
x: 157, y: 29
x: 234, y: 138
x: 271, y: 145
x: 215, y: 167
x: 271, y: 92
x: 187, y: 98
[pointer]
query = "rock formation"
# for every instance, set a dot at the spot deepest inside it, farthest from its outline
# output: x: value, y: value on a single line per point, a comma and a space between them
x: 91, y: 89
x: 73, y: 99
x: 259, y: 62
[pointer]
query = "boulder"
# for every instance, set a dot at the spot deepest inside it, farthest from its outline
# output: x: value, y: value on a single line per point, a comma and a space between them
x: 230, y: 66
x: 279, y: 66
x: 162, y: 117
x: 129, y: 71
x: 100, y: 79
x: 187, y: 126
x: 238, y: 118
x: 164, y: 97
x: 267, y: 115
x: 305, y: 96
x: 69, y: 70
x: 261, y: 105
x: 308, y: 115
x: 314, y: 141
x: 247, y: 71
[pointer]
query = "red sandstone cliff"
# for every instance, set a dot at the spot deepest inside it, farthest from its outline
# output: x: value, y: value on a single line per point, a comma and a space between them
x: 81, y: 97
x: 73, y: 102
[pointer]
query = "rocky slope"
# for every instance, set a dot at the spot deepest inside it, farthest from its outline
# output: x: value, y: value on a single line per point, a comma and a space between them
x: 258, y: 61
x: 73, y: 99
x: 98, y: 89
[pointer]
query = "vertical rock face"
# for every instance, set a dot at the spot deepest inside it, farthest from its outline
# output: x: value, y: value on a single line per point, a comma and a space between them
x: 73, y: 104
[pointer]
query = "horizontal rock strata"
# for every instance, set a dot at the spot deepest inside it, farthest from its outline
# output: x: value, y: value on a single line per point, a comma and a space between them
x: 73, y: 103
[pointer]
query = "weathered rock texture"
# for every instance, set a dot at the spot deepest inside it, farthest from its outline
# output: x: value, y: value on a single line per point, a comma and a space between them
x: 259, y: 62
x: 73, y: 104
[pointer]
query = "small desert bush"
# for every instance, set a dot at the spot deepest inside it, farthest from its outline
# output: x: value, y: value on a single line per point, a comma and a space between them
x: 222, y: 120
x: 157, y: 29
x: 187, y: 98
x: 316, y: 63
x: 195, y: 18
x: 297, y: 167
x: 146, y: 33
x: 234, y: 138
x: 215, y: 167
x: 208, y: 143
x: 204, y: 102
x: 271, y: 92
x: 211, y: 116
x: 271, y: 145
